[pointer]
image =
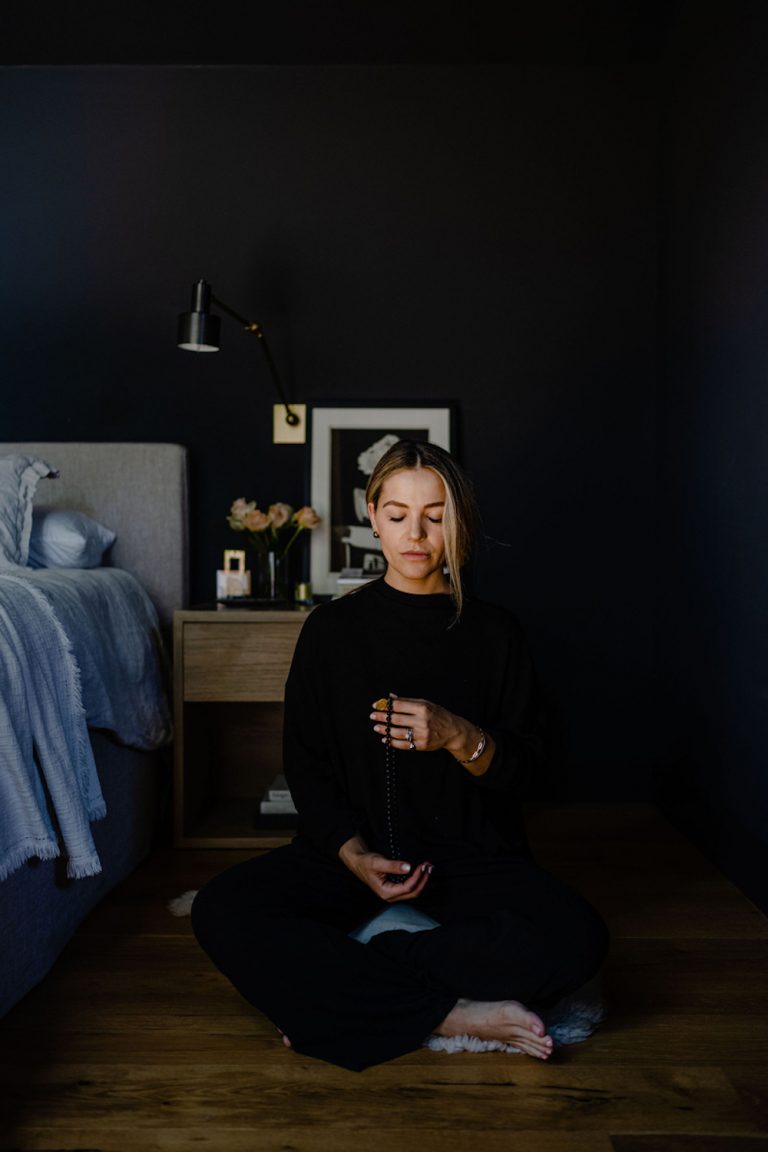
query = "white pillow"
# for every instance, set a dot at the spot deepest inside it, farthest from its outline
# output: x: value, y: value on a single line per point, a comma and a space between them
x: 19, y: 476
x: 62, y: 538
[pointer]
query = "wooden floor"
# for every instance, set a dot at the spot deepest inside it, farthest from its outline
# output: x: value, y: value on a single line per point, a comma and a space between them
x: 134, y: 1042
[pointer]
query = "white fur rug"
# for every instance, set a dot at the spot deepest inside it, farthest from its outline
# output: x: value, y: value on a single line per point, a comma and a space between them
x: 570, y: 1021
x: 182, y: 905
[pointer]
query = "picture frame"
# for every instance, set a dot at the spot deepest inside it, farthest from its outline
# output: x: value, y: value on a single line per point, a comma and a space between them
x: 346, y: 441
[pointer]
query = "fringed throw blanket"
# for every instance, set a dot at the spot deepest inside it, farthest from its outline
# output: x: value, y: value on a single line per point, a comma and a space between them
x: 49, y: 788
x: 41, y: 709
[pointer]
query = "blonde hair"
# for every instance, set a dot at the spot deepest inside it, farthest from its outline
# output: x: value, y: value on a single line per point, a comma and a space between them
x: 460, y: 513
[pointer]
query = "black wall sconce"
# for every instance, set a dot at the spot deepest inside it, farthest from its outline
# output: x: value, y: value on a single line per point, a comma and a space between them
x: 199, y: 331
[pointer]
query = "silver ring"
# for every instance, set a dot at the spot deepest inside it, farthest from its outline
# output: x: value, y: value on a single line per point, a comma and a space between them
x: 411, y: 747
x: 409, y: 736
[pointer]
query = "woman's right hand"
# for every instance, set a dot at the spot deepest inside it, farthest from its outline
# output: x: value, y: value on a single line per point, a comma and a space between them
x: 379, y: 873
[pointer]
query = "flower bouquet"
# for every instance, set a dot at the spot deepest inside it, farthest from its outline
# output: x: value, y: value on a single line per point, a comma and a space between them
x: 271, y: 534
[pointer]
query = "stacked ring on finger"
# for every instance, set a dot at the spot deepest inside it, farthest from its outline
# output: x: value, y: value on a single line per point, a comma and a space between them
x: 409, y: 738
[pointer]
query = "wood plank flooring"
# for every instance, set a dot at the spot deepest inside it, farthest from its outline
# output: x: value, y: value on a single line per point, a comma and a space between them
x: 134, y: 1043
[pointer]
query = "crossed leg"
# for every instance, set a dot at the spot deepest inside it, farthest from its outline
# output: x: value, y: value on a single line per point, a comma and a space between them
x: 505, y: 1020
x: 269, y: 922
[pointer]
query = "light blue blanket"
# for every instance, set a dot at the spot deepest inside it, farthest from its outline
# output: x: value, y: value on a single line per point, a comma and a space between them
x: 78, y: 648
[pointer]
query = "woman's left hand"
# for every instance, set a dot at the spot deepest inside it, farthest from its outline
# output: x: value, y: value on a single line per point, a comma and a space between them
x: 420, y: 725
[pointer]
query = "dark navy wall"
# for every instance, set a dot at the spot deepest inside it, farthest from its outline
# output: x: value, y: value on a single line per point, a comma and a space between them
x: 713, y: 622
x: 485, y: 235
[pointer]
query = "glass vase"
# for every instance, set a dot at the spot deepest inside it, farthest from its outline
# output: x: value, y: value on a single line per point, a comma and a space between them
x: 269, y: 578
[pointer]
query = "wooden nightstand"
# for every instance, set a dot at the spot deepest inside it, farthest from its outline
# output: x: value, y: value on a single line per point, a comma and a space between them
x: 230, y: 668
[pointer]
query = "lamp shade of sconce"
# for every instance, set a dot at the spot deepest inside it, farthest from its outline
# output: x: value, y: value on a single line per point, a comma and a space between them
x: 199, y: 330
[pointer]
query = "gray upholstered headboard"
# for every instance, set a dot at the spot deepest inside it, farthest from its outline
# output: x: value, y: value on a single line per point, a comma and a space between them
x: 137, y: 490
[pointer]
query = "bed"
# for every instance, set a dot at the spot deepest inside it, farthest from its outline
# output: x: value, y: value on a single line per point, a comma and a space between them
x: 139, y: 492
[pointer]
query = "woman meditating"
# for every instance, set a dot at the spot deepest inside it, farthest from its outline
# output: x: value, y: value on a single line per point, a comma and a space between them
x: 411, y: 730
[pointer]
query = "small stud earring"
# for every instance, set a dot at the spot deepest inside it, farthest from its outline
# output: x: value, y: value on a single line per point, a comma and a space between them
x: 376, y: 535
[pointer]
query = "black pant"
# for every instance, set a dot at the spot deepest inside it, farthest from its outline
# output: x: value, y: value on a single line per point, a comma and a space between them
x: 277, y: 927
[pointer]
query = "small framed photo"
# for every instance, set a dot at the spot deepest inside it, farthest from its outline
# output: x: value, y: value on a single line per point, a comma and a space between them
x: 347, y: 442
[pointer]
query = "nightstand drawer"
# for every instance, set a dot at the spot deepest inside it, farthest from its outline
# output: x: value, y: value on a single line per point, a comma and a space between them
x: 238, y: 661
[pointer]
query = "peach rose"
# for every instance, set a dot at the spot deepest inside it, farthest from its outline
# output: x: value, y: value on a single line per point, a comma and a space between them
x: 257, y: 521
x: 238, y: 513
x: 306, y: 517
x: 240, y: 506
x: 280, y: 514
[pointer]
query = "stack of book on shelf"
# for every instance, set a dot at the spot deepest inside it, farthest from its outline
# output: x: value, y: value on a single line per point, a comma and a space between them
x: 277, y: 809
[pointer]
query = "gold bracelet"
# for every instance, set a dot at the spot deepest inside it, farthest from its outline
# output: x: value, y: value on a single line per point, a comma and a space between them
x: 478, y: 751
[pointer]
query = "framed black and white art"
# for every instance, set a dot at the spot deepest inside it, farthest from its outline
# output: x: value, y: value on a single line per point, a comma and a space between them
x: 346, y: 444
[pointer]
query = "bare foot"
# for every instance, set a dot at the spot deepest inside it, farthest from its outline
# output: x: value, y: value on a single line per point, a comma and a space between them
x: 505, y: 1020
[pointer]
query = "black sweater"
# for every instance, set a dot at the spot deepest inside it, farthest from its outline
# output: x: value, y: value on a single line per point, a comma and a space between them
x: 378, y: 640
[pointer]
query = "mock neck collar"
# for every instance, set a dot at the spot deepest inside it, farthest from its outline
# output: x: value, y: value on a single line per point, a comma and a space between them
x: 426, y: 600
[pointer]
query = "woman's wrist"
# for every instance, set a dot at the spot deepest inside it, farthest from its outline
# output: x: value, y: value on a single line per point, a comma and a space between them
x: 350, y: 849
x: 473, y: 749
x: 466, y: 741
x: 478, y: 750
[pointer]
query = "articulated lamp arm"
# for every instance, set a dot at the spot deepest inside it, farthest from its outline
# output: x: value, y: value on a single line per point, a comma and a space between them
x: 254, y: 327
x: 198, y: 331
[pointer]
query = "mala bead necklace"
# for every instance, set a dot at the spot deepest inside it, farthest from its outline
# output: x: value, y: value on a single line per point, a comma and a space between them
x: 390, y: 785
